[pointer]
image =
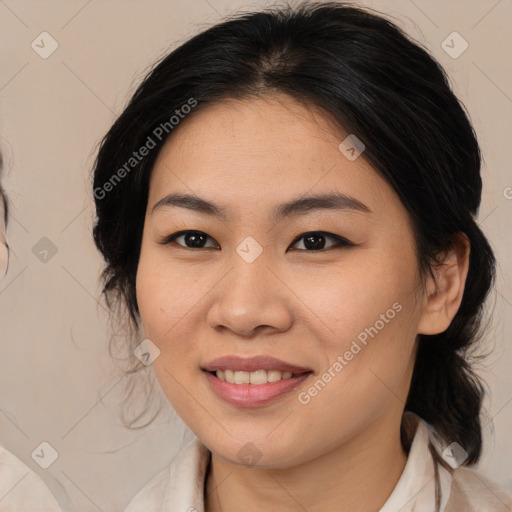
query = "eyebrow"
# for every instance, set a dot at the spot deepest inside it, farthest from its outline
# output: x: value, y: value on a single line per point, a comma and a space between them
x: 298, y: 206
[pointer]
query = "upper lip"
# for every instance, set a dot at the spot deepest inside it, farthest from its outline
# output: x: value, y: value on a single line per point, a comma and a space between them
x: 251, y: 364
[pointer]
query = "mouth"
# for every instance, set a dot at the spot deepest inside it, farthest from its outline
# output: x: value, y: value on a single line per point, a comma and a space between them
x: 255, y: 378
x: 253, y: 364
x: 254, y: 381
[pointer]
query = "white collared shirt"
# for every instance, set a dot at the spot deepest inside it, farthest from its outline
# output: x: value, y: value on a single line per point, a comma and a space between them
x: 21, y: 489
x: 427, y: 484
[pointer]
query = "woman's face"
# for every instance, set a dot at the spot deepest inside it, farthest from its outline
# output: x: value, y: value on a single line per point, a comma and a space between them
x: 250, y: 285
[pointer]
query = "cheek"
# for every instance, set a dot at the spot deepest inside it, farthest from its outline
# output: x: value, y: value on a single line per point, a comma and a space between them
x: 164, y: 295
x: 170, y: 304
x: 367, y: 371
x: 352, y: 296
x: 370, y: 310
x: 163, y: 302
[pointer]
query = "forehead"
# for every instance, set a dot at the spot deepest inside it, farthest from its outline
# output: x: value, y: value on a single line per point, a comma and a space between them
x: 254, y: 151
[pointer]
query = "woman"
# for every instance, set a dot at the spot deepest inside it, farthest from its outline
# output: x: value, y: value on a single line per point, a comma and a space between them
x: 334, y: 380
x: 21, y: 489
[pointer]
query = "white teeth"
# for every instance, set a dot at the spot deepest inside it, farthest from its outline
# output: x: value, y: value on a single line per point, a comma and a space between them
x: 256, y: 377
x: 242, y: 377
x: 274, y: 375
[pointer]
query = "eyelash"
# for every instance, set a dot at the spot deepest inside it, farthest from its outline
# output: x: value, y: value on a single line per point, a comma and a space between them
x: 340, y: 241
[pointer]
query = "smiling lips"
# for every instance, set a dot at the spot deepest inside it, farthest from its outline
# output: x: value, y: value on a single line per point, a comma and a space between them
x: 254, y: 381
x: 251, y: 364
x: 257, y: 377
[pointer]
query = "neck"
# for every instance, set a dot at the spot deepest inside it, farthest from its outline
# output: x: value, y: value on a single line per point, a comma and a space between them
x: 357, y: 476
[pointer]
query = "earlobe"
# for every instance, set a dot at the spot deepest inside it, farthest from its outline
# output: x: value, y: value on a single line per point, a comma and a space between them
x: 443, y: 294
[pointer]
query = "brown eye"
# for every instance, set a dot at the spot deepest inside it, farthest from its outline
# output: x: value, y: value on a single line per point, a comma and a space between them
x: 191, y: 239
x: 315, y: 241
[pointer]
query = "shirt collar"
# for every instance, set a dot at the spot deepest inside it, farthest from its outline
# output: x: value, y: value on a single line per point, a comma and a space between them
x: 425, y: 484
x: 21, y: 488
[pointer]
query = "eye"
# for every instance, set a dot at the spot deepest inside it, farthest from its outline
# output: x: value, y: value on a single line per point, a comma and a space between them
x: 196, y: 239
x: 315, y: 241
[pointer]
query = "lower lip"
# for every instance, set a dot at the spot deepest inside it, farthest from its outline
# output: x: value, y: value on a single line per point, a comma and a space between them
x: 253, y: 395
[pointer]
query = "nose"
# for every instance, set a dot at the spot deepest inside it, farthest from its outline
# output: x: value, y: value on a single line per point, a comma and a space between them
x: 251, y: 298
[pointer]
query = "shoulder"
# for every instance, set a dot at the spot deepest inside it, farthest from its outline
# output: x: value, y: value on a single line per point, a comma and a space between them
x: 153, y: 494
x: 178, y: 486
x: 473, y: 492
x: 21, y: 488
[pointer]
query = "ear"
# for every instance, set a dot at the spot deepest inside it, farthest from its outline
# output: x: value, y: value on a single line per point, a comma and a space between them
x: 443, y: 294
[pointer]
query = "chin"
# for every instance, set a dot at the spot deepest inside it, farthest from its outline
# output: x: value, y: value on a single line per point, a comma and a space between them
x: 252, y: 451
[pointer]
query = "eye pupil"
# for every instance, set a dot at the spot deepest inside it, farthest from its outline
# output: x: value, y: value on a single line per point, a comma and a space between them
x: 195, y: 239
x: 310, y: 243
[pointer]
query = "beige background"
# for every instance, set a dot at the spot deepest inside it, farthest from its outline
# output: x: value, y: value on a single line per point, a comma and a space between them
x: 54, y: 367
